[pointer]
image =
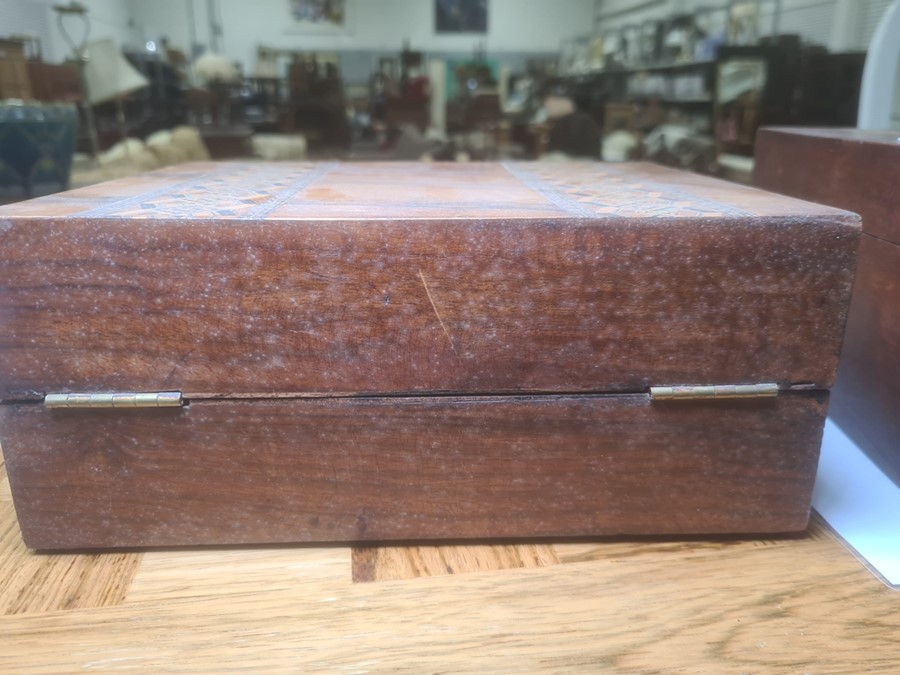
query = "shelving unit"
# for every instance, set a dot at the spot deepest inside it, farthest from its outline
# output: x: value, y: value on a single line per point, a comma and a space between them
x: 682, y: 90
x: 799, y: 85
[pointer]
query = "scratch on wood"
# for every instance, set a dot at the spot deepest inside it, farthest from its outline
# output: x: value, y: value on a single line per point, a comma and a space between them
x: 437, y: 313
x: 179, y: 362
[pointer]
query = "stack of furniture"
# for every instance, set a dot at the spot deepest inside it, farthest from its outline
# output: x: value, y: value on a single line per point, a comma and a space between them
x: 316, y: 105
x: 14, y: 79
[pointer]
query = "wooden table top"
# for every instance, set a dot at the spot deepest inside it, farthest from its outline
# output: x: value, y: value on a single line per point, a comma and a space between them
x: 795, y: 604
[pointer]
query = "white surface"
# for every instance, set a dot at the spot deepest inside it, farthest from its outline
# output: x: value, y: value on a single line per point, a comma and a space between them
x: 876, y: 97
x: 859, y: 502
x: 109, y: 19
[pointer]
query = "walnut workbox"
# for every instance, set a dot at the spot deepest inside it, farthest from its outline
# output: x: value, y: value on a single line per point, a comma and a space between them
x: 858, y: 170
x: 249, y: 353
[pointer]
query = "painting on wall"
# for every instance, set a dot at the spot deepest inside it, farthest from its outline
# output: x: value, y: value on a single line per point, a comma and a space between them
x: 460, y: 16
x: 319, y: 16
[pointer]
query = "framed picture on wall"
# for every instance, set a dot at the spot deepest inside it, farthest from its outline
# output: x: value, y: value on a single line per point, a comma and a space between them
x: 460, y: 16
x: 328, y: 17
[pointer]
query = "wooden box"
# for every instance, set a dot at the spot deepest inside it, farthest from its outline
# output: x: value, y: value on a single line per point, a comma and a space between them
x: 859, y: 171
x: 415, y: 351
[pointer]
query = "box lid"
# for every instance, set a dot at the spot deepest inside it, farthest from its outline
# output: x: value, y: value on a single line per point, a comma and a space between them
x: 259, y: 279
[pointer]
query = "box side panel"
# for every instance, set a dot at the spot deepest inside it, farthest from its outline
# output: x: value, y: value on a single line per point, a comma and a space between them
x: 848, y: 169
x: 857, y: 170
x: 866, y: 396
x: 221, y: 472
x: 380, y: 307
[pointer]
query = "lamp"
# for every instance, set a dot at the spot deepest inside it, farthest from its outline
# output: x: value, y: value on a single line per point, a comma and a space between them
x: 105, y: 74
x: 79, y: 11
x: 110, y: 77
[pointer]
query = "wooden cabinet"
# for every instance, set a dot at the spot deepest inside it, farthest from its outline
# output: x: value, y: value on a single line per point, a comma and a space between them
x: 859, y: 171
x: 14, y: 79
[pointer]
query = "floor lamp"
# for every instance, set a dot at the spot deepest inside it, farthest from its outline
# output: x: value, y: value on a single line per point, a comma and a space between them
x: 79, y: 11
x: 110, y: 77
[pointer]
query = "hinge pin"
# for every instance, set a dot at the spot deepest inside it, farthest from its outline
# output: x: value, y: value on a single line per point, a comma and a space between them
x: 125, y: 399
x: 695, y: 392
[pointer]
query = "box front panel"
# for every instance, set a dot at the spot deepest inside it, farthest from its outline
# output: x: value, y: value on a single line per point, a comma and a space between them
x: 396, y: 307
x: 218, y: 472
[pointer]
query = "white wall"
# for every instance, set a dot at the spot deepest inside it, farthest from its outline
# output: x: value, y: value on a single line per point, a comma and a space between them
x: 513, y: 26
x: 18, y: 17
x: 108, y: 18
x: 154, y: 19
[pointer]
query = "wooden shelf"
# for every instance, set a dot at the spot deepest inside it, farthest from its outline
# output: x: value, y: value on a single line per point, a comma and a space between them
x: 669, y: 100
x: 632, y: 70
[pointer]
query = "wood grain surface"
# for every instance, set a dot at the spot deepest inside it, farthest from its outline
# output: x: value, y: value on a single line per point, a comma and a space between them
x: 853, y: 169
x: 65, y: 581
x: 858, y: 170
x: 866, y: 402
x: 379, y: 563
x: 380, y: 469
x: 792, y: 605
x: 585, y: 279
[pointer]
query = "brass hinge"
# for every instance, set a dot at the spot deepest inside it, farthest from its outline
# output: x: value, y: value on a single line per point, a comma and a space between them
x: 115, y: 399
x: 710, y: 391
